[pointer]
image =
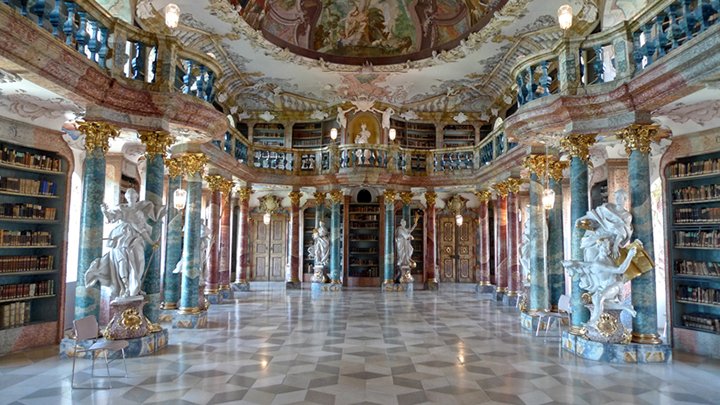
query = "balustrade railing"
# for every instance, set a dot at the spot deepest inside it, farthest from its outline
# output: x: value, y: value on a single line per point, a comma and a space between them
x: 597, y: 64
x: 537, y: 81
x: 197, y: 80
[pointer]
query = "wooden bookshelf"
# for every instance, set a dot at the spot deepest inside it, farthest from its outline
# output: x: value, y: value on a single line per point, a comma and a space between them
x: 269, y: 134
x: 458, y: 135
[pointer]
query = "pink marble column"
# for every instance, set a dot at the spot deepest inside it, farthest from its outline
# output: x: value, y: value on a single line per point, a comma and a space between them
x: 501, y: 274
x: 483, y: 276
x: 242, y: 251
x: 212, y: 281
x: 292, y: 280
x: 225, y: 241
x: 430, y: 258
x: 513, y: 241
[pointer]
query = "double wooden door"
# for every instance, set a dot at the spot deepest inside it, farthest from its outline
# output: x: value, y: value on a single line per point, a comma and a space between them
x: 457, y: 259
x: 269, y: 244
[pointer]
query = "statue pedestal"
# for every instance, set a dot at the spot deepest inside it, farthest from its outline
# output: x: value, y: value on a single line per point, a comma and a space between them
x: 585, y: 348
x: 608, y: 329
x: 319, y: 275
x: 127, y: 319
x: 137, y: 347
x: 405, y: 277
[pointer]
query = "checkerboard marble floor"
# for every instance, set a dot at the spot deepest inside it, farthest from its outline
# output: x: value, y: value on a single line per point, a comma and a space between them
x: 362, y: 347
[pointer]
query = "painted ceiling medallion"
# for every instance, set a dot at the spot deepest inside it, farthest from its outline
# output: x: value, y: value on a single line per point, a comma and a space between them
x: 361, y: 31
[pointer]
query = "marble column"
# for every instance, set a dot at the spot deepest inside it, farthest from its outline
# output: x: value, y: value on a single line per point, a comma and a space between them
x: 292, y: 279
x: 514, y: 283
x: 225, y: 241
x: 430, y: 261
x: 243, y: 236
x: 539, y: 298
x: 97, y: 135
x: 157, y: 143
x: 319, y: 207
x: 483, y: 256
x: 191, y: 313
x: 501, y: 275
x: 336, y: 198
x: 212, y: 282
x: 389, y: 259
x: 555, y: 254
x: 406, y: 198
x: 637, y: 139
x: 577, y: 146
x: 173, y: 240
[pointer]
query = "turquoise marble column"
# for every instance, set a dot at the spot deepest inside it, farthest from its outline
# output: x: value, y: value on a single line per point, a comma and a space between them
x: 336, y: 197
x: 156, y: 143
x: 389, y: 247
x: 173, y: 244
x: 406, y: 198
x: 577, y: 146
x: 539, y: 298
x: 555, y: 256
x: 637, y: 139
x: 97, y: 134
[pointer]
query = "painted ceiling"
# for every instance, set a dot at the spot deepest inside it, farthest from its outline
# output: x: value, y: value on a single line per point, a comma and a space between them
x: 425, y: 56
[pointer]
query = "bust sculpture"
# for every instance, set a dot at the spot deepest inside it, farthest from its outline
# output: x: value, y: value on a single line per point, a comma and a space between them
x: 364, y: 135
x: 123, y: 267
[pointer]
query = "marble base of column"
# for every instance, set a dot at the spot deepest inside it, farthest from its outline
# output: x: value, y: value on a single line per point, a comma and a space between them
x: 166, y: 315
x: 486, y: 288
x: 189, y: 318
x: 214, y: 298
x: 510, y: 299
x: 226, y: 293
x: 241, y: 285
x: 432, y: 284
x: 500, y: 293
x: 529, y: 322
x: 293, y: 285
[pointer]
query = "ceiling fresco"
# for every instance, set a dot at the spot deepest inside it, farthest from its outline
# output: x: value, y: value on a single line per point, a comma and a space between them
x: 425, y: 56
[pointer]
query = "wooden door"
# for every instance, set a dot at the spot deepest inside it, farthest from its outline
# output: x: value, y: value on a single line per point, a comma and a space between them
x: 269, y: 249
x: 456, y: 251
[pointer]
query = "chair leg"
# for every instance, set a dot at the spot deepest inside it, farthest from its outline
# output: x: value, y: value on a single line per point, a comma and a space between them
x: 537, y: 331
x: 107, y: 367
x: 124, y: 362
x: 92, y: 370
x: 72, y: 379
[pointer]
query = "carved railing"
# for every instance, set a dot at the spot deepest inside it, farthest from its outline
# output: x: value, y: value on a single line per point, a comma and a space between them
x: 537, y: 80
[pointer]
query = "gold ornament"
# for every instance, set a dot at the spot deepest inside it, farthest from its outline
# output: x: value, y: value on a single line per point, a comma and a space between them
x: 501, y: 188
x: 638, y: 137
x: 295, y: 197
x: 336, y: 196
x: 156, y: 142
x: 319, y: 198
x: 483, y: 195
x: 513, y: 184
x: 607, y: 325
x: 555, y: 167
x: 406, y: 197
x: 543, y: 165
x: 389, y: 196
x: 578, y: 145
x: 430, y: 198
x: 192, y: 163
x: 219, y: 183
x: 174, y: 168
x: 244, y: 194
x: 130, y: 319
x: 97, y: 135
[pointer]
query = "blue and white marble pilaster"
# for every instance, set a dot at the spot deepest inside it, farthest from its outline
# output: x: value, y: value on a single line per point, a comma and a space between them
x: 539, y: 299
x: 389, y: 259
x: 189, y: 296
x: 643, y: 287
x: 154, y: 185
x: 173, y: 247
x: 87, y: 300
x: 556, y: 272
x: 578, y: 208
x: 335, y: 243
x: 406, y: 215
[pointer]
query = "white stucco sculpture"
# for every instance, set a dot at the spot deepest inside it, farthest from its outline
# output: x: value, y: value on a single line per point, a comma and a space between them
x: 403, y: 243
x: 364, y: 135
x: 123, y: 268
x: 320, y: 249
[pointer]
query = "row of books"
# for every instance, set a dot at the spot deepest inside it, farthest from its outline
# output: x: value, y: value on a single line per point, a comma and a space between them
x: 26, y: 290
x: 28, y: 186
x: 692, y: 215
x: 27, y: 211
x: 25, y: 238
x: 694, y: 168
x: 702, y: 321
x: 708, y: 239
x: 370, y: 209
x: 363, y: 225
x: 18, y: 264
x: 10, y: 155
x: 697, y: 268
x: 695, y: 193
x: 14, y: 314
x: 362, y: 217
x: 702, y: 295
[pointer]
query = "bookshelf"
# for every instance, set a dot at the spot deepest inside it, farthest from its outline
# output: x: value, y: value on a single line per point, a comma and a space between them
x: 693, y: 218
x: 364, y: 245
x: 599, y: 194
x: 311, y: 134
x: 414, y: 135
x: 455, y: 136
x: 269, y: 134
x: 32, y: 231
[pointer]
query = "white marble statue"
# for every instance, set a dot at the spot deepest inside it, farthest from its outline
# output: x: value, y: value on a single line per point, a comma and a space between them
x: 525, y: 248
x: 403, y: 243
x: 123, y: 267
x: 320, y: 249
x: 364, y: 135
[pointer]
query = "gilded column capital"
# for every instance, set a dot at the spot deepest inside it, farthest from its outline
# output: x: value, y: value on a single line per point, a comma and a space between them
x: 174, y: 168
x: 578, y: 145
x: 336, y: 196
x: 98, y: 134
x: 501, y: 188
x: 219, y: 183
x: 389, y: 196
x: 406, y: 197
x: 638, y: 137
x: 295, y: 197
x: 555, y: 167
x: 244, y: 194
x: 192, y: 163
x: 536, y: 164
x: 156, y: 142
x: 430, y: 198
x: 483, y: 195
x: 513, y: 184
x: 319, y: 197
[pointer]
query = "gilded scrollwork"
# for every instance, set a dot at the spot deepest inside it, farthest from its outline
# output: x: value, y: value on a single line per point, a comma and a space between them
x: 98, y: 134
x: 156, y: 142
